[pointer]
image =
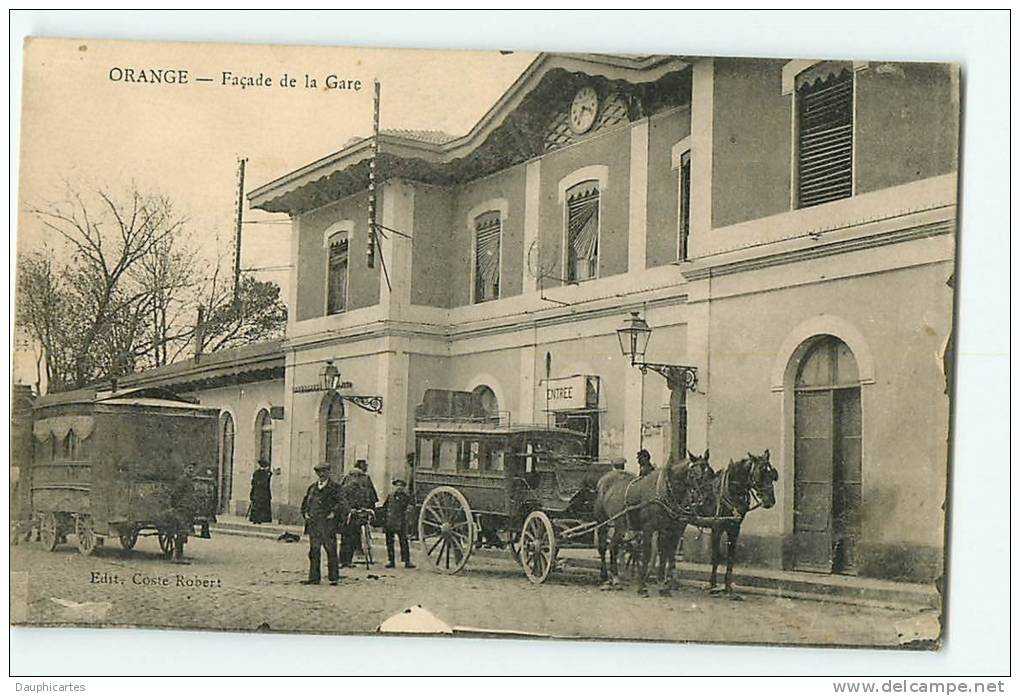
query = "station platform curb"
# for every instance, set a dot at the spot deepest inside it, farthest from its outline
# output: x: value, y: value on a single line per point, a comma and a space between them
x: 844, y: 589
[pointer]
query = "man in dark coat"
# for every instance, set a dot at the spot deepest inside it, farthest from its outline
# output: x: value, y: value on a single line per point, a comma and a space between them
x: 183, y: 504
x: 396, y: 523
x: 261, y: 508
x: 358, y: 493
x: 645, y: 465
x: 321, y: 508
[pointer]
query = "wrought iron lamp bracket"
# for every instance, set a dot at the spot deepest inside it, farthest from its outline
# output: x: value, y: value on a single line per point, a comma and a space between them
x: 677, y: 376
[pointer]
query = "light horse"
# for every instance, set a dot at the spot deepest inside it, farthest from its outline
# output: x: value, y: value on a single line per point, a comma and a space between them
x: 726, y: 497
x: 644, y: 505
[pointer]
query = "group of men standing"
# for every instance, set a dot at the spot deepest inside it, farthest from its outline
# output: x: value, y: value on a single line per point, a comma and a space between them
x: 329, y: 508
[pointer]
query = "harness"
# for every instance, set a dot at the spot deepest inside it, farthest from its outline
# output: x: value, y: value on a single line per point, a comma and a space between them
x: 754, y: 502
x: 663, y: 497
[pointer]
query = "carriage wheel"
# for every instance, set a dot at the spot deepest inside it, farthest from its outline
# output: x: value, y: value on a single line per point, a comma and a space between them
x: 538, y: 547
x: 446, y: 529
x: 128, y: 540
x: 86, y: 535
x: 166, y: 544
x: 48, y: 531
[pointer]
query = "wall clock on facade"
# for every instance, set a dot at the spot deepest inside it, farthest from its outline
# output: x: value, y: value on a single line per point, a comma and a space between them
x: 583, y: 110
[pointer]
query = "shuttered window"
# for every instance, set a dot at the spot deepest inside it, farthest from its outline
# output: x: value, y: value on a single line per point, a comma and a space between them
x: 487, y: 237
x: 684, y: 200
x: 582, y: 231
x: 825, y: 136
x: 338, y: 265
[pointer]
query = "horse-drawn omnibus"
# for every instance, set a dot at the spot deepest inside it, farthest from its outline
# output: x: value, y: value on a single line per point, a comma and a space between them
x: 480, y: 480
x: 103, y: 465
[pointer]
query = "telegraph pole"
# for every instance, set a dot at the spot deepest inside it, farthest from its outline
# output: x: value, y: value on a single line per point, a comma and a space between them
x: 238, y: 222
x: 370, y: 249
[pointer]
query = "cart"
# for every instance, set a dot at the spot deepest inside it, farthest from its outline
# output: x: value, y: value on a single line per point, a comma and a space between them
x: 103, y: 465
x: 481, y: 481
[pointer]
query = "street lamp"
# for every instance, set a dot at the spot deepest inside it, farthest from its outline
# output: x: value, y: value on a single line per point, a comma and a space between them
x: 680, y: 379
x: 329, y: 376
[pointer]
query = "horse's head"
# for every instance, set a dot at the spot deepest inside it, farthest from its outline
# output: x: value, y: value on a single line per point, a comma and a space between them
x: 762, y: 478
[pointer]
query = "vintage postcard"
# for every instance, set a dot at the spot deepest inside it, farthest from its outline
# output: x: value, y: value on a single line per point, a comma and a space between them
x: 346, y: 341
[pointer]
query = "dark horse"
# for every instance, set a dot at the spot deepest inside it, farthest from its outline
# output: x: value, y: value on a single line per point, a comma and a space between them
x: 726, y: 497
x: 653, y: 503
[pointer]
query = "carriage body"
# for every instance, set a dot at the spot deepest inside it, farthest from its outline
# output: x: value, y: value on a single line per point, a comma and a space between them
x: 104, y: 464
x: 477, y: 481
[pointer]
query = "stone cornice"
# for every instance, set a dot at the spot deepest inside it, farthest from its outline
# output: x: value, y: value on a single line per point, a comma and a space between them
x: 807, y: 248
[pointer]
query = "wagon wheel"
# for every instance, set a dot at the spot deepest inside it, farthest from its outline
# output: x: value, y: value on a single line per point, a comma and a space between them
x: 129, y: 539
x: 86, y: 534
x: 446, y: 529
x: 166, y: 543
x: 48, y: 531
x: 538, y: 547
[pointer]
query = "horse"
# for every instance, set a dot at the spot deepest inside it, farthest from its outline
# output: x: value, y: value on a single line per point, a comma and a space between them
x: 645, y: 505
x: 726, y: 496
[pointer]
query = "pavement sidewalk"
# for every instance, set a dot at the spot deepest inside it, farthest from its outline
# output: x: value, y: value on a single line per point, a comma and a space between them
x: 845, y: 589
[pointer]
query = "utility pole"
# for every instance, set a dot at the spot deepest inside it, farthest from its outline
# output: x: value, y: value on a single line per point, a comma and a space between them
x: 370, y: 249
x: 238, y: 222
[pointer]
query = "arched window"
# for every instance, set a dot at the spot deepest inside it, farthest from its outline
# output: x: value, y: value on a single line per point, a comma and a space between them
x: 485, y: 400
x: 226, y: 461
x: 264, y: 431
x: 339, y: 247
x: 488, y: 229
x: 582, y: 231
x: 335, y: 425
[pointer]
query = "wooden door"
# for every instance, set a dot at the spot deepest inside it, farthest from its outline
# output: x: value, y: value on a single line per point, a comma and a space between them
x: 846, y: 493
x: 813, y: 481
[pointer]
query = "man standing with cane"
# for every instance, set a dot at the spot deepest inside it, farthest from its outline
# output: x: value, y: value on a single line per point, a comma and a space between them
x: 322, y: 509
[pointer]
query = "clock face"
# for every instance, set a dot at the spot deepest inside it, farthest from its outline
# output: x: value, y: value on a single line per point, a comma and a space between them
x: 583, y: 110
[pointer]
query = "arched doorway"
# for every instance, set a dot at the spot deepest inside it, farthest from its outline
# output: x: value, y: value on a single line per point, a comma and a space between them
x: 335, y: 434
x: 827, y: 458
x: 226, y: 461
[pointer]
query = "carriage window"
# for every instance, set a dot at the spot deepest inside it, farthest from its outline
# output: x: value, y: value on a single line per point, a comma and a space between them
x: 494, y: 462
x: 474, y: 454
x: 425, y: 453
x: 71, y: 445
x: 448, y: 451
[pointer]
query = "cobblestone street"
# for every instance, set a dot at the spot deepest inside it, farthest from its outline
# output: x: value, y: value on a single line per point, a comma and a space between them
x: 252, y: 583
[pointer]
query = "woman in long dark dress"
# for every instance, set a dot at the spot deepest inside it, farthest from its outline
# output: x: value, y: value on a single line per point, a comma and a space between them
x: 261, y: 508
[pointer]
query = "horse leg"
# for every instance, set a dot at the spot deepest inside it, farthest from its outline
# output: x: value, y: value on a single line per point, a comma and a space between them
x: 614, y: 551
x: 732, y: 534
x: 674, y: 579
x: 602, y: 542
x: 644, y: 556
x: 716, y: 541
x: 667, y: 548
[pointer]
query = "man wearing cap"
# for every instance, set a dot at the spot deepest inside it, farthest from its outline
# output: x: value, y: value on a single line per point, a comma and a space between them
x: 358, y: 493
x: 321, y: 509
x: 396, y: 523
x: 618, y: 463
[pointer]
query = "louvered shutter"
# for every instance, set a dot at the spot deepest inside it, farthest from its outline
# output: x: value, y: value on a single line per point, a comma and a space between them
x: 583, y: 231
x: 825, y: 139
x: 338, y: 254
x: 487, y: 230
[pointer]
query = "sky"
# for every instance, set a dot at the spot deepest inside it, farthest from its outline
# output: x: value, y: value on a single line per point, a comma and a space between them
x: 82, y: 128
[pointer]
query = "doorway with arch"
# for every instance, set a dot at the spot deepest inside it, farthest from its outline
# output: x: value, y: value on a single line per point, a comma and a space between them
x: 827, y: 458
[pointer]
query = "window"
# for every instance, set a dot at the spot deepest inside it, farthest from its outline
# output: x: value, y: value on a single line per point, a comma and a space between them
x: 264, y: 430
x: 339, y: 246
x: 582, y: 244
x: 487, y: 248
x: 824, y: 112
x: 449, y: 453
x: 226, y: 461
x: 425, y: 453
x: 684, y: 205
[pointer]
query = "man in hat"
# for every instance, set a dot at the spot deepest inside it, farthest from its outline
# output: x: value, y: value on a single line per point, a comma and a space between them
x: 358, y: 493
x: 645, y: 465
x: 396, y: 523
x: 321, y: 509
x: 183, y: 505
x: 618, y: 463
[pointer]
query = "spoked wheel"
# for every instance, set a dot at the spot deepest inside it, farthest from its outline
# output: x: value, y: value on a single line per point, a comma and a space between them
x: 446, y: 529
x: 166, y: 544
x: 48, y: 531
x: 86, y: 535
x: 129, y: 539
x: 538, y: 547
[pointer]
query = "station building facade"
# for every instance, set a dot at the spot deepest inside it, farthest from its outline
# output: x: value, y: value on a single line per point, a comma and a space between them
x: 785, y: 227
